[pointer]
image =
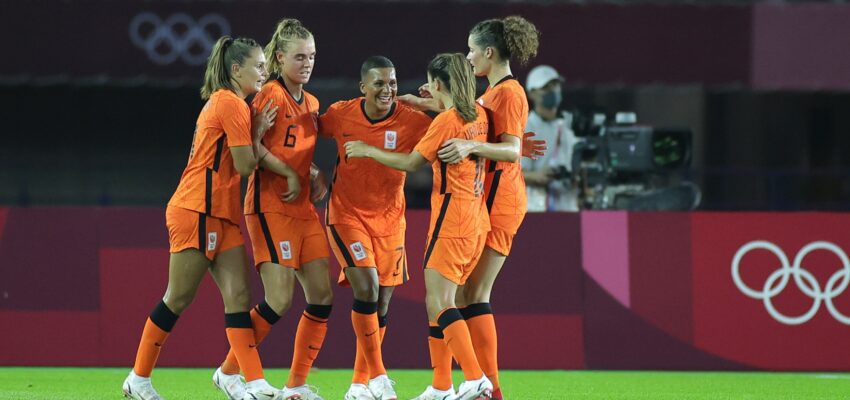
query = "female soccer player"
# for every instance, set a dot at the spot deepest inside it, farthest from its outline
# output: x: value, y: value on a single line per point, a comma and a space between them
x: 203, y: 215
x: 287, y: 236
x: 459, y: 222
x: 365, y: 217
x: 492, y: 45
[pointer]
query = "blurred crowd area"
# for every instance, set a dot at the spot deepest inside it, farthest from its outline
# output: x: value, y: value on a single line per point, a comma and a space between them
x: 763, y: 87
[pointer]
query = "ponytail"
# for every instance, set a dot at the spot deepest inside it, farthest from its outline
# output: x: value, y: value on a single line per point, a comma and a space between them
x: 226, y: 52
x: 456, y: 74
x: 514, y: 38
x: 287, y: 31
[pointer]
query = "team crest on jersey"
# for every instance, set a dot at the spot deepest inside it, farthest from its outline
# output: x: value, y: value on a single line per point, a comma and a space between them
x: 358, y: 250
x: 212, y: 237
x: 390, y: 140
x: 285, y: 250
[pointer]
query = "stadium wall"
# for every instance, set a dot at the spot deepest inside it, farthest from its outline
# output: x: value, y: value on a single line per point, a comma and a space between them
x: 598, y: 290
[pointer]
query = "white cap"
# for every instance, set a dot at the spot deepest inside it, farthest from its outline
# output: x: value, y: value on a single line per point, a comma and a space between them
x: 540, y: 76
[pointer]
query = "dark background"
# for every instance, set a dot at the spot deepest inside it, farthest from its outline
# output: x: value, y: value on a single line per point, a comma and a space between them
x: 89, y: 119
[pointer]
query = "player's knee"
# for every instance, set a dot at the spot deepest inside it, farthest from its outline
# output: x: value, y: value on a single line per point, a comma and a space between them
x: 366, y: 293
x: 324, y: 297
x: 279, y: 302
x: 178, y: 302
x: 236, y: 297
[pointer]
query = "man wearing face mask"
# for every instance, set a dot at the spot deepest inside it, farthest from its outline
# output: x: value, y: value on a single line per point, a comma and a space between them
x: 547, y: 178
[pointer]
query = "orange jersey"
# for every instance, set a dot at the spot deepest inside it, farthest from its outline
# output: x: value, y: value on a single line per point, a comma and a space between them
x: 292, y: 139
x: 210, y: 183
x: 457, y: 205
x: 364, y: 193
x: 505, y: 185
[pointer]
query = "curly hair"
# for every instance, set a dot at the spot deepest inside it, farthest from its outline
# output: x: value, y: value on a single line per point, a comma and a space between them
x: 514, y: 37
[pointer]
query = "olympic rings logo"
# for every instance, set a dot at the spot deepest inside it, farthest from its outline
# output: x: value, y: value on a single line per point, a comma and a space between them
x: 805, y: 281
x: 178, y: 36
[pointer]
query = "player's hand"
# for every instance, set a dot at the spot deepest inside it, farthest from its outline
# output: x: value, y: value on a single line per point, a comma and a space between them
x: 357, y: 149
x: 318, y: 187
x: 264, y: 120
x: 294, y: 186
x: 424, y: 92
x: 532, y: 148
x: 454, y: 151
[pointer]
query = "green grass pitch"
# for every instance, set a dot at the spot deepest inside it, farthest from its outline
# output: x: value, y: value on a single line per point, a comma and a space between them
x: 195, y: 384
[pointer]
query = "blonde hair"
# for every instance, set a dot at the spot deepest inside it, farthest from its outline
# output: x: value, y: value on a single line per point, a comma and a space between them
x: 455, y: 72
x: 514, y: 37
x: 288, y: 30
x: 226, y: 52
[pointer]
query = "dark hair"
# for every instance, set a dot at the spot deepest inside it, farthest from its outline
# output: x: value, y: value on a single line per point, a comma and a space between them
x: 454, y: 71
x: 514, y: 37
x: 374, y: 62
x: 287, y: 31
x: 226, y: 52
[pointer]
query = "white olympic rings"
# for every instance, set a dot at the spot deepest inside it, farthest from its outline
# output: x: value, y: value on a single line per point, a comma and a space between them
x: 178, y: 36
x: 805, y: 281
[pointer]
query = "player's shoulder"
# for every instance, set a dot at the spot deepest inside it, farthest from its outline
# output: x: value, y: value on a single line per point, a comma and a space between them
x: 226, y: 101
x: 312, y: 100
x: 345, y: 106
x: 409, y: 113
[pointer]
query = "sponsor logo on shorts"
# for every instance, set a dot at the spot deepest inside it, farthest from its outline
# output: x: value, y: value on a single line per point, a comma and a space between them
x: 358, y: 250
x: 390, y: 140
x: 212, y: 237
x: 285, y: 250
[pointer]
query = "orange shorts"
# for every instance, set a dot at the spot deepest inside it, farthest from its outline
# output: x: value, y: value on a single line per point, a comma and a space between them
x: 355, y: 248
x: 454, y: 258
x: 283, y: 240
x: 189, y: 229
x: 503, y: 228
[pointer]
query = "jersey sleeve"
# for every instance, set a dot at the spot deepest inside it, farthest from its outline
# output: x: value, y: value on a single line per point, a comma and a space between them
x: 328, y: 121
x: 508, y: 109
x: 437, y: 134
x: 235, y: 117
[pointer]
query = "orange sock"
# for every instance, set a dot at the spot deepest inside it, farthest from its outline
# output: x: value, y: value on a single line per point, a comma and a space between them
x: 482, y: 329
x: 308, y: 341
x: 262, y: 319
x: 364, y: 319
x: 240, y: 334
x: 441, y: 358
x: 459, y: 342
x: 156, y: 331
x: 361, y: 370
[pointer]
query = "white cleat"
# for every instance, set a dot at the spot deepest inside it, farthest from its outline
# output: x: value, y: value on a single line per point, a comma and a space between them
x: 233, y: 386
x: 259, y: 389
x: 382, y: 388
x: 139, y: 388
x: 303, y: 392
x: 358, y: 391
x: 478, y: 389
x: 435, y: 394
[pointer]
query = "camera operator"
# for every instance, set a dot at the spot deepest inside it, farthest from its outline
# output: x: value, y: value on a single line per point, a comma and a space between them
x: 548, y: 179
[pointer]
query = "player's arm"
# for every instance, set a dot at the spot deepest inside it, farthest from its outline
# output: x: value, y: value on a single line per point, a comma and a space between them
x: 246, y: 158
x: 423, y: 102
x: 401, y: 161
x: 276, y: 165
x: 456, y: 150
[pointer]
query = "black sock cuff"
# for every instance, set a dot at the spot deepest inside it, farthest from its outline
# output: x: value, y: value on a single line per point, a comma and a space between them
x: 435, y: 332
x: 475, y: 310
x: 365, y: 307
x: 319, y: 310
x: 382, y: 321
x: 238, y: 320
x: 265, y: 311
x: 449, y: 317
x: 163, y: 317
